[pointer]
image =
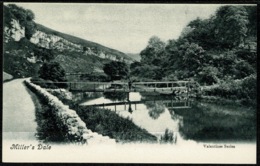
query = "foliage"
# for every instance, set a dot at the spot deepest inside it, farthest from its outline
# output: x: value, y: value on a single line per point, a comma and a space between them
x: 147, y: 71
x: 64, y: 123
x: 44, y: 54
x: 208, y: 51
x: 15, y: 59
x: 54, y: 72
x: 247, y: 56
x: 231, y: 27
x: 155, y: 109
x: 244, y: 90
x: 154, y: 51
x: 208, y: 75
x: 95, y: 77
x: 243, y: 69
x: 116, y: 70
x: 168, y: 137
x: 24, y: 16
x: 74, y: 61
x: 110, y: 124
x: 116, y: 96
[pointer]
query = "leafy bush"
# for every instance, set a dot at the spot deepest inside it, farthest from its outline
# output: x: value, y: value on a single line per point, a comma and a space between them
x: 168, y: 137
x: 69, y: 125
x: 55, y: 73
x: 208, y: 75
x: 244, y: 90
x: 243, y: 69
x: 116, y: 70
x: 44, y: 83
x: 95, y: 77
x: 110, y: 124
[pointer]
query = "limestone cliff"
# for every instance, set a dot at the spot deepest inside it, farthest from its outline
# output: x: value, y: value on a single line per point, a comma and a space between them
x: 14, y: 32
x: 50, y: 41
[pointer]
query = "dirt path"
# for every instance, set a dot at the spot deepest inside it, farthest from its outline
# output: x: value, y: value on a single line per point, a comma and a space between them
x: 18, y: 112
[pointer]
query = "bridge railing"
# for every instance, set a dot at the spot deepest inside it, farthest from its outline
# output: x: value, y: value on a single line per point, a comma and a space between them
x: 124, y: 86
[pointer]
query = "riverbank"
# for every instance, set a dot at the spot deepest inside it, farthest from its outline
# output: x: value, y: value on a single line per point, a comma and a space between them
x: 243, y: 91
x: 101, y: 121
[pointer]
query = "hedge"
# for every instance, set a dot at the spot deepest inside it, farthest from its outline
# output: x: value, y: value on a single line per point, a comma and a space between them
x: 68, y: 122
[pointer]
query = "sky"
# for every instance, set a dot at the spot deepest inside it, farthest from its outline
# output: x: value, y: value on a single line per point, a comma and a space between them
x: 125, y: 27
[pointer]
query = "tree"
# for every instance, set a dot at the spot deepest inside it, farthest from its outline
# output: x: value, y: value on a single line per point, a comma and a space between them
x: 116, y: 70
x: 52, y: 71
x: 208, y: 75
x: 252, y: 17
x: 231, y: 25
x: 24, y: 16
x: 201, y: 32
x: 30, y: 28
x: 243, y: 69
x: 149, y: 72
x: 45, y: 55
x: 154, y: 52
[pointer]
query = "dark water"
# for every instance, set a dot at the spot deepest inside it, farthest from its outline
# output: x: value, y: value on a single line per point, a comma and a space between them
x: 187, y: 118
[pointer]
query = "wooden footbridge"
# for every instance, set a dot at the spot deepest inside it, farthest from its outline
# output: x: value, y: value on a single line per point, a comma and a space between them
x: 161, y: 87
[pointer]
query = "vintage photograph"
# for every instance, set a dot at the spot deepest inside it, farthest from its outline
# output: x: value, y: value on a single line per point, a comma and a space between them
x: 129, y: 83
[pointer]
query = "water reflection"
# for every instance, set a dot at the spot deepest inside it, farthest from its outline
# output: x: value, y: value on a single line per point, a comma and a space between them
x: 214, y: 122
x: 150, y: 115
x: 170, y: 118
x: 155, y: 109
x: 116, y: 96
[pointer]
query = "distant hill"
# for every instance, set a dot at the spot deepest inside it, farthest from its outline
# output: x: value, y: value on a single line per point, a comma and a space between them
x: 135, y: 57
x: 23, y: 37
x: 80, y: 41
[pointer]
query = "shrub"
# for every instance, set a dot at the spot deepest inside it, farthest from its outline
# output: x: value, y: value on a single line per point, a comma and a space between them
x: 55, y: 73
x: 244, y: 90
x: 70, y: 126
x: 168, y: 137
x: 116, y: 70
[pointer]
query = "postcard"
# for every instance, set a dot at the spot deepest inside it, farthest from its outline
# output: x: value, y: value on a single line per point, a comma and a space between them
x: 129, y: 83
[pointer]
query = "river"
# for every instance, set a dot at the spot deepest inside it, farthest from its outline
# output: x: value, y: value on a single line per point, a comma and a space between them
x: 187, y: 119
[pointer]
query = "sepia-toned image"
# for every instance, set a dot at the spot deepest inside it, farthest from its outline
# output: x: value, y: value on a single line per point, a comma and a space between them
x: 129, y: 83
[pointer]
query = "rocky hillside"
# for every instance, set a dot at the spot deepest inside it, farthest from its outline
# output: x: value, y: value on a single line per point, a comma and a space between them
x: 22, y: 36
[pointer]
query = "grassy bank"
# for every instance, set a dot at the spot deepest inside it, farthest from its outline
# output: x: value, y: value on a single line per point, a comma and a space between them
x: 47, y: 128
x: 242, y: 91
x: 110, y: 124
x: 104, y: 121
